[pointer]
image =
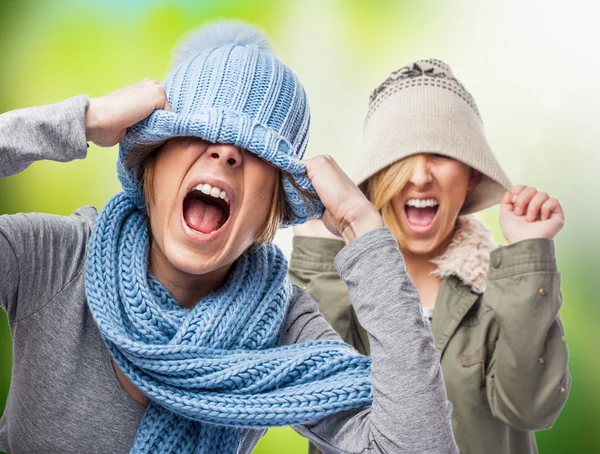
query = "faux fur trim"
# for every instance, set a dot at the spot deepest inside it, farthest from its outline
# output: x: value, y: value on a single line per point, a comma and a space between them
x: 468, y: 254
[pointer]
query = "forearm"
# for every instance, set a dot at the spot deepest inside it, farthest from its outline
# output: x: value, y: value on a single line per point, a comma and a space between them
x: 55, y: 132
x: 312, y: 269
x: 410, y: 412
x: 528, y: 382
x: 409, y: 397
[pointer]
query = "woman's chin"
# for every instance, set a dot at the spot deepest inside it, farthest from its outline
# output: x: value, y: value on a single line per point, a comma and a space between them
x: 198, y: 266
x: 194, y: 259
x: 420, y: 247
x: 430, y: 246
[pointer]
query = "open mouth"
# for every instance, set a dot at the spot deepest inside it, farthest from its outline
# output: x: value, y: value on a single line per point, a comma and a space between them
x: 421, y: 212
x: 206, y: 208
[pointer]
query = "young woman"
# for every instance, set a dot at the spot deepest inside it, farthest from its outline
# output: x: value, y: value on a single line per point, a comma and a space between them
x: 166, y: 323
x: 494, y: 310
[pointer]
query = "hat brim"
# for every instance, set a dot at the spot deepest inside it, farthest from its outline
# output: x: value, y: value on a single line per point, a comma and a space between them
x: 218, y: 125
x: 423, y: 120
x: 487, y: 193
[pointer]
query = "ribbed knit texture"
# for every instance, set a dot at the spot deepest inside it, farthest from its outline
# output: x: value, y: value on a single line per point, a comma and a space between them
x: 228, y: 87
x: 215, y: 369
x: 423, y: 108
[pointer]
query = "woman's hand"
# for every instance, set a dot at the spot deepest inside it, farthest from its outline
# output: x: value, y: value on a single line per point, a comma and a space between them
x: 348, y: 213
x: 526, y: 213
x: 107, y: 118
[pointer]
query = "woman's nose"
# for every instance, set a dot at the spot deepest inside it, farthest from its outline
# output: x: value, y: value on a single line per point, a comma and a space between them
x: 227, y: 155
x: 421, y: 175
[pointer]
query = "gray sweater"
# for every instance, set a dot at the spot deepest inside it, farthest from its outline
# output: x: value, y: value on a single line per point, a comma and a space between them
x: 65, y: 396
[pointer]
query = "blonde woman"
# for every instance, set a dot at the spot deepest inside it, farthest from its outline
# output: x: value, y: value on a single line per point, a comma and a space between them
x: 494, y: 311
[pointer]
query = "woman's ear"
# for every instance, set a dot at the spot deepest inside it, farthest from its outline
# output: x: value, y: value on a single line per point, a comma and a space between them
x: 474, y: 177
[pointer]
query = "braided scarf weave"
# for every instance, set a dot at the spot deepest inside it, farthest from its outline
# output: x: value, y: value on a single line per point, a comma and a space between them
x: 216, y: 369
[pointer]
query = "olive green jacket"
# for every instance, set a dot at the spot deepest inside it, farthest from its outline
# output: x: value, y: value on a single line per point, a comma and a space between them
x: 503, y: 354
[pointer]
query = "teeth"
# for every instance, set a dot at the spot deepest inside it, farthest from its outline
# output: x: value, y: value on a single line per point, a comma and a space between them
x: 212, y: 191
x: 422, y: 203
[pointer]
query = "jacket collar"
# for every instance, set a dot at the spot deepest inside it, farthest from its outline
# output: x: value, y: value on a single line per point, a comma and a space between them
x: 463, y: 268
x: 468, y: 254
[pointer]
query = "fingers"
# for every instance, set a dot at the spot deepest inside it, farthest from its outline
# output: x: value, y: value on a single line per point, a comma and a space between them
x: 515, y: 191
x: 148, y: 82
x: 325, y: 173
x: 506, y: 202
x: 108, y: 117
x: 533, y: 204
x: 161, y: 102
x: 533, y: 210
x: 522, y: 199
x: 318, y: 162
x: 147, y: 89
x: 551, y: 207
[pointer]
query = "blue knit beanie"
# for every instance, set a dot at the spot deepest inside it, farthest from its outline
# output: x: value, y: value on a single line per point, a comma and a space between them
x: 227, y: 86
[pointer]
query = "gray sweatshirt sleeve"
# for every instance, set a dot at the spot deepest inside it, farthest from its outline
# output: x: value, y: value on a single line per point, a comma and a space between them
x: 55, y: 132
x: 29, y: 274
x: 410, y: 412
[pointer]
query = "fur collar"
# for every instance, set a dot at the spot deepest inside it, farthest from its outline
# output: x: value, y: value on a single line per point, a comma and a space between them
x: 468, y: 254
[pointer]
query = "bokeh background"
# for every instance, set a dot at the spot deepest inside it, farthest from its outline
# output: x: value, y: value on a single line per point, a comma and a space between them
x: 532, y: 66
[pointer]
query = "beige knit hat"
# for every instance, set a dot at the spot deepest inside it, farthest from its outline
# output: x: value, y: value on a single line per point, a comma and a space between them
x: 423, y: 108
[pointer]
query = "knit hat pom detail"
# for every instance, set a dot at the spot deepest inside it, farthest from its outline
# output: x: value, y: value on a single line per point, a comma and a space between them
x: 219, y: 34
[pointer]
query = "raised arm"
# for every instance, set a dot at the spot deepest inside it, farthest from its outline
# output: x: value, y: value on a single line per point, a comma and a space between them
x: 313, y: 270
x: 528, y: 379
x: 60, y: 132
x: 410, y: 412
x: 55, y: 132
x: 40, y: 253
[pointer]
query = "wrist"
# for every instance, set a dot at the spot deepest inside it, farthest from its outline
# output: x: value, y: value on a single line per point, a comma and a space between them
x: 366, y: 221
x: 514, y: 240
x: 92, y: 121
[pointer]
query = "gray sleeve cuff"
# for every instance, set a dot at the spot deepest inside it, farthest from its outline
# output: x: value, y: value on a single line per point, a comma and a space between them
x: 72, y: 112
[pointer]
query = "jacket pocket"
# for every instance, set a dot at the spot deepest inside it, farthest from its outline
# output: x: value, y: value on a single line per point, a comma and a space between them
x: 482, y: 356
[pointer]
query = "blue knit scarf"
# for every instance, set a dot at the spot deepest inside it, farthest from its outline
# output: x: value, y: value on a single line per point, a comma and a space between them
x: 218, y: 368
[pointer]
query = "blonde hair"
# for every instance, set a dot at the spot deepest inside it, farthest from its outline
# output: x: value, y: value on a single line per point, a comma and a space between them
x: 382, y: 187
x: 144, y: 159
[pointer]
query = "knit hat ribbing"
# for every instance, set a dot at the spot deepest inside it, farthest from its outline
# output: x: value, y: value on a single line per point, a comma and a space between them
x: 423, y: 108
x: 227, y: 86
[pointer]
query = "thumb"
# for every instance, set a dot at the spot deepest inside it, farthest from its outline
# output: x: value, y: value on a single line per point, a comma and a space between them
x: 166, y: 106
x: 506, y: 202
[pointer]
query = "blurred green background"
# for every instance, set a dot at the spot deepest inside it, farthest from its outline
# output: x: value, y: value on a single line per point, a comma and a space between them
x: 532, y: 67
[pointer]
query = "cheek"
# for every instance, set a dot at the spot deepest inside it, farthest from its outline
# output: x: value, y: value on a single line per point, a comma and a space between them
x: 163, y: 205
x: 454, y: 181
x: 397, y: 206
x: 260, y: 186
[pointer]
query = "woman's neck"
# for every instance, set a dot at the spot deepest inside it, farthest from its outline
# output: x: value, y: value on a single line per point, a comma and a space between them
x: 419, y: 267
x: 186, y: 289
